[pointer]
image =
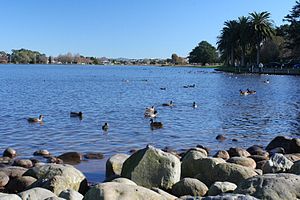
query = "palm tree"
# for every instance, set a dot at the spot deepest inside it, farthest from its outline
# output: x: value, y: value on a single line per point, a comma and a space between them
x: 227, y: 41
x: 243, y: 36
x: 262, y: 28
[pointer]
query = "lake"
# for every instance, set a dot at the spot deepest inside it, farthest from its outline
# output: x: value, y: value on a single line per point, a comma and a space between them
x: 119, y: 95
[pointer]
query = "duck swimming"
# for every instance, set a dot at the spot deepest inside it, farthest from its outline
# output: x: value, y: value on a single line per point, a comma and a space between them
x: 244, y: 93
x: 76, y: 114
x: 155, y: 125
x: 170, y: 104
x: 151, y: 114
x: 105, y: 126
x: 251, y: 91
x: 194, y: 105
x: 267, y: 81
x: 151, y: 109
x: 34, y: 120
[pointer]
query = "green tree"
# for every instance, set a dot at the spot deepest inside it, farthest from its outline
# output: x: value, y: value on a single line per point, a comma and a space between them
x: 176, y: 60
x: 243, y: 35
x: 203, y: 53
x: 262, y: 29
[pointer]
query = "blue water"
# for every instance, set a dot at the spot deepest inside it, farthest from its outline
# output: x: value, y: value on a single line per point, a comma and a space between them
x: 119, y: 95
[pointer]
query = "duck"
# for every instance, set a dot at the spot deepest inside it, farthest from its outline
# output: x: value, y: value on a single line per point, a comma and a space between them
x: 163, y: 88
x: 105, y: 126
x: 76, y: 114
x: 251, y: 91
x: 150, y: 109
x: 267, y: 81
x: 34, y: 120
x: 155, y: 125
x: 243, y: 92
x: 194, y: 105
x: 151, y: 114
x: 170, y: 104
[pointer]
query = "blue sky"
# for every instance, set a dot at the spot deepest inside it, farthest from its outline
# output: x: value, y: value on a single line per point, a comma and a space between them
x: 123, y: 28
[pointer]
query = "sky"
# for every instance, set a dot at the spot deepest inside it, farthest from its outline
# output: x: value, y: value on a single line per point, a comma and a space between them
x: 123, y: 28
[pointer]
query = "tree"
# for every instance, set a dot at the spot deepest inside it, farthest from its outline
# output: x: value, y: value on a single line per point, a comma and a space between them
x: 176, y: 60
x: 262, y: 28
x: 3, y: 57
x: 243, y: 35
x: 293, y: 30
x: 203, y: 53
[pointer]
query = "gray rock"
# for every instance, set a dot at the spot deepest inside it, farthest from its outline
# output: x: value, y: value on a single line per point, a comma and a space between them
x: 258, y: 158
x: 36, y: 194
x: 118, y: 191
x: 71, y: 158
x: 124, y: 181
x: 230, y: 197
x: 5, y: 160
x: 222, y: 154
x: 238, y: 152
x: 271, y: 186
x: 246, y: 162
x: 277, y: 150
x: 164, y: 194
x: 114, y: 164
x: 289, y: 145
x: 54, y: 198
x: 221, y: 187
x: 26, y: 163
x: 295, y: 169
x: 3, y: 179
x: 71, y: 195
x: 57, y: 178
x: 4, y: 196
x: 192, y: 165
x: 151, y: 167
x: 227, y: 172
x: 41, y: 152
x: 189, y: 186
x: 277, y: 163
x: 94, y: 156
x: 9, y: 152
x: 19, y: 184
x: 13, y: 171
x: 293, y: 157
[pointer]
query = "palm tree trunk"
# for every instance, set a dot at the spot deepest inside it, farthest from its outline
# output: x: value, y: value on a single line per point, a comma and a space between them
x: 258, y: 53
x: 243, y: 56
x: 232, y: 57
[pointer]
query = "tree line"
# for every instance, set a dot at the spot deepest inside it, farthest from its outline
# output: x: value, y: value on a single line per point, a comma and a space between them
x: 252, y: 39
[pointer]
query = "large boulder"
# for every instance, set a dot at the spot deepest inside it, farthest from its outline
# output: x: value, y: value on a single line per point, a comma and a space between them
x: 191, y: 166
x: 3, y: 179
x: 246, y: 162
x: 277, y: 163
x: 271, y: 186
x: 238, y: 152
x: 57, y: 177
x: 151, y: 167
x: 117, y: 191
x: 71, y: 157
x: 114, y: 164
x: 229, y: 197
x: 71, y: 195
x: 189, y: 186
x: 288, y: 144
x: 19, y: 184
x: 4, y: 196
x: 9, y: 152
x: 164, y: 194
x: 36, y: 194
x: 295, y: 169
x: 221, y: 187
x: 124, y: 181
x: 13, y: 171
x: 222, y: 154
x: 228, y: 172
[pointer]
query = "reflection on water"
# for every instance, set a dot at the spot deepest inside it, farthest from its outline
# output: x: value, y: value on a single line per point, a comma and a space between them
x: 119, y: 95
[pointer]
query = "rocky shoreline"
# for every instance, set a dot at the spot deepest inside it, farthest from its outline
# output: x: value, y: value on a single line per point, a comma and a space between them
x: 271, y: 172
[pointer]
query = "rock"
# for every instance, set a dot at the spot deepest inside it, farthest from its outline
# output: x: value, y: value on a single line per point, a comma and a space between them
x: 277, y: 150
x: 4, y: 196
x: 222, y: 154
x: 221, y: 187
x: 13, y: 171
x: 271, y: 186
x: 58, y: 178
x: 41, y: 152
x: 152, y: 167
x: 227, y: 172
x: 124, y: 181
x: 295, y: 169
x: 230, y: 197
x: 71, y: 195
x: 238, y: 152
x: 277, y: 163
x: 258, y: 158
x: 194, y: 162
x: 94, y: 156
x: 36, y: 194
x: 9, y: 152
x: 55, y: 160
x: 5, y: 160
x: 260, y: 164
x: 164, y: 194
x: 246, y: 162
x: 4, y: 178
x: 54, y: 198
x: 118, y: 191
x: 255, y: 150
x: 293, y: 157
x: 189, y: 186
x: 221, y: 138
x: 207, y: 149
x: 196, y: 152
x: 26, y: 163
x: 71, y: 158
x: 114, y: 164
x: 289, y: 145
x: 19, y: 184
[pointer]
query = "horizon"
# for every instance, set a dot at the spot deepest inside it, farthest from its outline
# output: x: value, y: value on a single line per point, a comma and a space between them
x: 116, y: 29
